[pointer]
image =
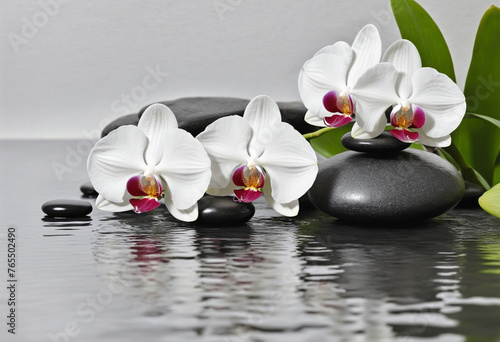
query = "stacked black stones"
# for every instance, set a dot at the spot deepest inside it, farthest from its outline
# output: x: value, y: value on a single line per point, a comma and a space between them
x: 380, y: 181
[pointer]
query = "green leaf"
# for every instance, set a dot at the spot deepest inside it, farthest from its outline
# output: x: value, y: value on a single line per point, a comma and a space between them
x: 490, y: 201
x: 416, y: 25
x: 478, y: 140
x: 328, y: 144
x: 485, y: 117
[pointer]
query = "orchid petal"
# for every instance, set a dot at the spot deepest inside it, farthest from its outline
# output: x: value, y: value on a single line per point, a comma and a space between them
x: 226, y: 141
x: 115, y: 159
x: 189, y: 214
x: 314, y: 120
x: 140, y: 186
x: 318, y: 76
x: 405, y: 135
x: 263, y: 115
x: 341, y: 49
x: 374, y: 93
x: 245, y: 176
x: 185, y: 167
x: 142, y: 205
x: 441, y: 99
x: 290, y: 162
x: 337, y: 120
x: 358, y: 133
x: 246, y: 195
x: 404, y: 56
x: 367, y: 47
x: 156, y: 120
x: 103, y: 204
x: 444, y: 141
x: 289, y: 209
x: 418, y: 117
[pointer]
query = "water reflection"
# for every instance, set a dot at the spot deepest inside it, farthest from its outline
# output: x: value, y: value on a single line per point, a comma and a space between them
x: 311, y: 278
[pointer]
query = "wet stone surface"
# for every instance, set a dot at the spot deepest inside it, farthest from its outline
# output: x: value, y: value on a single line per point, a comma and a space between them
x: 223, y: 211
x: 383, y: 144
x: 194, y: 114
x: 66, y: 208
x: 406, y: 186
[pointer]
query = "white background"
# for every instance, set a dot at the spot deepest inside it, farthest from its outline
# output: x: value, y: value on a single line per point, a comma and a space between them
x: 67, y: 69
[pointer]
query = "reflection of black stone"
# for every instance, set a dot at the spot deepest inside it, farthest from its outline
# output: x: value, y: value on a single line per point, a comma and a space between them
x: 194, y: 114
x: 66, y: 208
x: 406, y: 186
x: 223, y: 210
x: 382, y: 262
x: 88, y: 190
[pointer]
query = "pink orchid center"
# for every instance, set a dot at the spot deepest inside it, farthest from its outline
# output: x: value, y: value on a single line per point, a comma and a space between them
x: 147, y: 190
x: 342, y: 107
x: 251, y: 179
x: 404, y: 118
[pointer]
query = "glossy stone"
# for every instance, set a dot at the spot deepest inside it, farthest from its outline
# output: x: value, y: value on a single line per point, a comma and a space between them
x: 405, y: 187
x: 194, y: 114
x: 223, y: 210
x: 66, y: 208
x: 383, y: 144
x: 88, y: 190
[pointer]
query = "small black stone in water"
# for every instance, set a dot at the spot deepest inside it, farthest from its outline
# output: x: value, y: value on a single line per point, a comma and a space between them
x: 384, y: 143
x: 223, y: 210
x: 66, y: 208
x: 88, y: 190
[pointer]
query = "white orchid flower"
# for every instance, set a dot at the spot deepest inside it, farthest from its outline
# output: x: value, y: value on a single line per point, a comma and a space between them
x: 428, y: 105
x: 258, y: 154
x: 132, y: 168
x: 342, y: 80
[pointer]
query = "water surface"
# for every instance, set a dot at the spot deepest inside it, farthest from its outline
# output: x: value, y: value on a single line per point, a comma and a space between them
x: 127, y: 277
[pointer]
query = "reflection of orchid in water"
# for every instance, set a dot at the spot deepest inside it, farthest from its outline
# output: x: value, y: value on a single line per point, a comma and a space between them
x: 134, y: 167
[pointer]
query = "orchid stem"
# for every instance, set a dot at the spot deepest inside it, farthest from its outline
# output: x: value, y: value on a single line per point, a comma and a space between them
x: 318, y: 133
x: 468, y: 173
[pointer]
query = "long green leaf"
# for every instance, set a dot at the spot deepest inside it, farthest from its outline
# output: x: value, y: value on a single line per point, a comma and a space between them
x: 416, y: 25
x: 478, y: 140
x: 328, y: 144
x: 487, y: 118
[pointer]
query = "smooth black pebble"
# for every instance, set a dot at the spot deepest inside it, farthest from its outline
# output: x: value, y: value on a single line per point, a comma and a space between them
x: 66, y: 208
x: 88, y: 190
x: 223, y: 210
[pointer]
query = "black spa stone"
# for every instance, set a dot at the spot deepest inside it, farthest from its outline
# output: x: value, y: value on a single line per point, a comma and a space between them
x: 88, y: 190
x: 223, y: 210
x: 66, y: 208
x: 408, y: 186
x: 194, y: 114
x: 383, y: 144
